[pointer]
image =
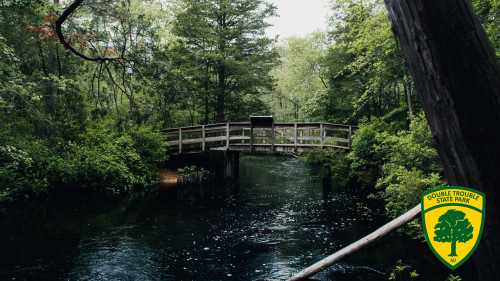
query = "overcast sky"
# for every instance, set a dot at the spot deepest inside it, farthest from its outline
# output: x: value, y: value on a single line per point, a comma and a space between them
x: 299, y: 17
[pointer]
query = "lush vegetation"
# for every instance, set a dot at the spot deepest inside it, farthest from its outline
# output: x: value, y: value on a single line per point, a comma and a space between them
x: 90, y: 119
x: 72, y: 122
x: 360, y: 77
x: 88, y: 115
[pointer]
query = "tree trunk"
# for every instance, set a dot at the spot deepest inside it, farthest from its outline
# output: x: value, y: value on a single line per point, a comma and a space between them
x: 453, y: 252
x: 458, y: 79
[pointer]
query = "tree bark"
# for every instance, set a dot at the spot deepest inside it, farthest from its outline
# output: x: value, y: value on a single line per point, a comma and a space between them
x: 458, y: 80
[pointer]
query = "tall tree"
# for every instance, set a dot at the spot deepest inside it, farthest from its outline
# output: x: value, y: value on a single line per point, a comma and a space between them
x: 458, y: 79
x: 300, y: 81
x: 365, y: 70
x: 226, y: 45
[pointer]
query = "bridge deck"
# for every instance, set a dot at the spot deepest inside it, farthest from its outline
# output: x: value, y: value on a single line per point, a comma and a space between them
x: 241, y: 136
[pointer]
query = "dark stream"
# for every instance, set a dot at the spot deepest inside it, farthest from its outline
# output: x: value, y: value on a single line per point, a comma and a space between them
x: 273, y: 223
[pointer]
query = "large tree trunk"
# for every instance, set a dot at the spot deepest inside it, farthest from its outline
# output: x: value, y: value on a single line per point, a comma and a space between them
x: 458, y: 80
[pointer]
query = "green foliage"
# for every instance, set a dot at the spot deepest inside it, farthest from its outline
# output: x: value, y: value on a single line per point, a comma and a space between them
x: 193, y: 174
x: 488, y: 12
x: 402, y: 272
x: 102, y: 160
x: 225, y: 55
x: 339, y: 163
x: 403, y: 188
x: 365, y: 157
x: 363, y: 66
x: 149, y: 144
x: 410, y: 166
x: 402, y: 163
x: 299, y: 78
x: 18, y: 174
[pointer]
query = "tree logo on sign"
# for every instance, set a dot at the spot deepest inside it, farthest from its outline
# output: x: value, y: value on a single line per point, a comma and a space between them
x: 453, y: 227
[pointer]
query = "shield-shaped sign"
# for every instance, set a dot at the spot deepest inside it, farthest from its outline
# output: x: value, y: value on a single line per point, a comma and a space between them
x: 453, y: 220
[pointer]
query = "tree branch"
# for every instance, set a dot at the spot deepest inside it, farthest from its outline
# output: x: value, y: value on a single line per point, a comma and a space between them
x: 58, y: 28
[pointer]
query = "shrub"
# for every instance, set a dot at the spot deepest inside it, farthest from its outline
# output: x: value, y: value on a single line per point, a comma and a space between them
x: 403, y: 272
x: 338, y: 161
x: 366, y: 160
x: 102, y: 159
x: 410, y: 166
x: 150, y: 144
x: 18, y: 174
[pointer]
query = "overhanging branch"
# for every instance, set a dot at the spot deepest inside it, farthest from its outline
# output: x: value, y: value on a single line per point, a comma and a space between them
x: 58, y: 28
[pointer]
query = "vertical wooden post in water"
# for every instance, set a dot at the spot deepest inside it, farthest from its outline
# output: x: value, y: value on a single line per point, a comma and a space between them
x: 180, y: 140
x: 326, y: 178
x: 203, y: 138
x: 231, y: 164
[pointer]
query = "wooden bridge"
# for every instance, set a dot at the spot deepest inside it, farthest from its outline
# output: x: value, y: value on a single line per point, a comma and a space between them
x: 260, y: 135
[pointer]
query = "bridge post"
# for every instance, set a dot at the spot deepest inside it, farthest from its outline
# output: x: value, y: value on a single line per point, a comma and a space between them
x: 203, y: 139
x: 180, y: 140
x: 326, y: 178
x: 231, y: 165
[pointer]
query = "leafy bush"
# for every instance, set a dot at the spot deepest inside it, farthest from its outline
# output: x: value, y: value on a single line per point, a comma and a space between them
x: 193, y: 174
x: 107, y: 159
x: 18, y: 174
x: 338, y: 161
x: 101, y: 160
x: 365, y: 158
x: 410, y: 165
x: 403, y: 272
x: 401, y: 163
x: 149, y: 143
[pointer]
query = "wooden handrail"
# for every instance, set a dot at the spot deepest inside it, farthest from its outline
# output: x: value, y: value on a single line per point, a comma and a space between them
x: 277, y: 124
x: 225, y: 136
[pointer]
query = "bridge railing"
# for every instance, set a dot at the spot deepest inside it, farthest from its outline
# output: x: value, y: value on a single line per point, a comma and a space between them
x: 241, y: 136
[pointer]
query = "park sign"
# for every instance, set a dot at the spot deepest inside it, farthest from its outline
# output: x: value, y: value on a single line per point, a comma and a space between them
x: 453, y: 220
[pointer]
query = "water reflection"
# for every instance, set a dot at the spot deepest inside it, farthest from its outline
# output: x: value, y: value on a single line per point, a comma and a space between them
x: 276, y: 222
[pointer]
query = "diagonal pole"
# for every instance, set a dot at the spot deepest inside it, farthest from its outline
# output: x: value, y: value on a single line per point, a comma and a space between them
x: 354, y: 247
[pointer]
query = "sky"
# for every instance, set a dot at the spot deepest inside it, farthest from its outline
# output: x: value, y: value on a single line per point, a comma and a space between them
x: 299, y: 17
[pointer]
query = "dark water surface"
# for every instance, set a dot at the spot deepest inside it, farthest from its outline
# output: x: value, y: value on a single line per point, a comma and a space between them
x: 275, y: 222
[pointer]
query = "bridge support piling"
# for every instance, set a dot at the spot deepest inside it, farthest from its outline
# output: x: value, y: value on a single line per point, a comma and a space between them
x: 326, y: 178
x: 231, y: 165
